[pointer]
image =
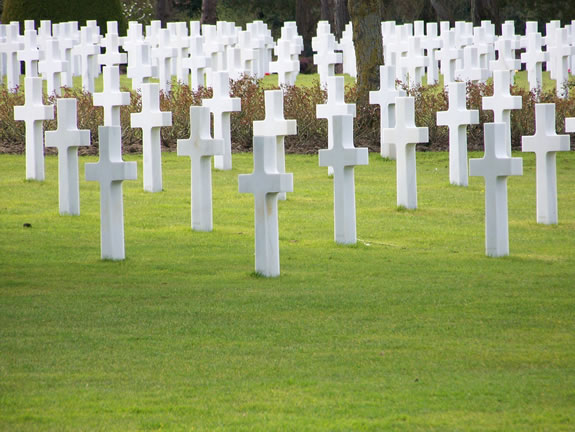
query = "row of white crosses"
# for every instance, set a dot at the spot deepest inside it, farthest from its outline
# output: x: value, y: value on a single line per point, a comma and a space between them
x: 469, y: 53
x: 497, y: 164
x: 60, y: 51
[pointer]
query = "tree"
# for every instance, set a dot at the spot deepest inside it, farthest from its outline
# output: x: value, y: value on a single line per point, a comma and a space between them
x: 443, y: 10
x: 65, y: 10
x: 341, y: 17
x: 164, y: 10
x: 366, y: 20
x: 209, y: 13
x: 307, y: 13
x: 485, y: 10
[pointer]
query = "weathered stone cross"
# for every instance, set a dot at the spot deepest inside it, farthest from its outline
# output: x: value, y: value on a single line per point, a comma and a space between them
x: 33, y: 112
x: 495, y: 166
x: 110, y: 171
x: 200, y: 147
x: 67, y: 138
x: 150, y: 120
x: 265, y: 182
x: 545, y: 144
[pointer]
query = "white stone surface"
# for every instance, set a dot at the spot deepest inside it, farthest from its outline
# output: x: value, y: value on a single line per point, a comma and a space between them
x: 495, y: 166
x: 163, y: 54
x: 325, y: 56
x: 111, y: 98
x: 51, y: 67
x: 67, y: 138
x: 335, y: 105
x: 285, y: 66
x: 110, y: 171
x: 457, y: 117
x: 32, y: 113
x: 570, y: 124
x: 275, y: 125
x: 534, y: 57
x: 140, y: 68
x: 9, y: 51
x: 221, y: 106
x: 150, y: 120
x: 30, y: 53
x: 343, y: 157
x: 404, y: 135
x: 197, y: 62
x: 501, y: 103
x: 385, y: 98
x: 200, y: 147
x: 545, y: 144
x: 265, y: 182
x: 112, y: 55
x: 87, y: 52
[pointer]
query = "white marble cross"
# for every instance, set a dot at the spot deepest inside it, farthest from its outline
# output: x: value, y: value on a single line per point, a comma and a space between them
x: 111, y: 98
x: 404, y: 135
x: 415, y: 61
x: 140, y: 68
x: 471, y: 70
x: 570, y: 124
x: 150, y: 120
x: 457, y: 117
x: 221, y: 106
x: 33, y: 112
x: 164, y: 53
x: 448, y: 56
x: 200, y: 147
x: 325, y: 57
x: 343, y: 157
x: 285, y: 66
x: 335, y: 105
x: 87, y: 52
x: 545, y: 144
x: 51, y: 67
x: 385, y: 98
x: 265, y: 182
x: 560, y: 53
x: 9, y: 50
x: 432, y: 43
x: 534, y: 57
x: 501, y: 103
x: 495, y: 166
x: 112, y: 56
x: 275, y: 125
x: 110, y: 171
x: 67, y: 138
x: 30, y: 54
x: 197, y: 62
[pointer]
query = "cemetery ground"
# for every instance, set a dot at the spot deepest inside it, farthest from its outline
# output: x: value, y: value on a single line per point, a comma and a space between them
x: 413, y: 328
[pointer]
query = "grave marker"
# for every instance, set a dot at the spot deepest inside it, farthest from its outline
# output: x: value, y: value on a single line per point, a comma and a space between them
x: 67, y: 138
x: 33, y: 112
x: 265, y: 182
x: 404, y: 135
x: 150, y: 120
x: 110, y: 171
x: 501, y: 103
x: 200, y: 147
x: 457, y: 117
x: 495, y: 166
x: 221, y: 106
x: 343, y: 157
x: 111, y: 98
x: 545, y: 144
x: 385, y: 98
x: 275, y: 125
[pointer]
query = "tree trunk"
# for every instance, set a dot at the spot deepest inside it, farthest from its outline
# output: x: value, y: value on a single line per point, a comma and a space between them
x: 209, y: 14
x: 485, y: 10
x: 327, y: 12
x: 306, y: 17
x: 341, y: 15
x: 366, y: 19
x: 443, y: 11
x: 164, y: 9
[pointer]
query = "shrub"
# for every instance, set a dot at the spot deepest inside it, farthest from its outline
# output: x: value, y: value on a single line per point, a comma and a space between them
x: 299, y: 104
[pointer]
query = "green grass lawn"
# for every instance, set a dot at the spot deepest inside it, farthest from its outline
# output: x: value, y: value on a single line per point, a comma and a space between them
x: 412, y: 329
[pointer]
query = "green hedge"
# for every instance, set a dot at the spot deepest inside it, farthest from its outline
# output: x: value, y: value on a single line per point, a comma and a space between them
x: 65, y: 10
